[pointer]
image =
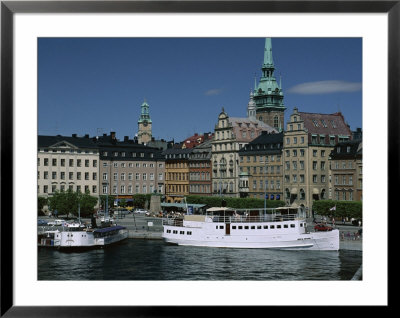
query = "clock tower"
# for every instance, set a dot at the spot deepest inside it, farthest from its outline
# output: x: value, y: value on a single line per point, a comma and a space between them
x: 144, y: 124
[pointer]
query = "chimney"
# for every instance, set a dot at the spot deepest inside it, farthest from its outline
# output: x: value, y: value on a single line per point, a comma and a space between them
x: 112, y: 135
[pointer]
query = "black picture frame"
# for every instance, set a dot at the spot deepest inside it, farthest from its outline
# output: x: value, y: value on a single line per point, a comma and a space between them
x: 9, y: 8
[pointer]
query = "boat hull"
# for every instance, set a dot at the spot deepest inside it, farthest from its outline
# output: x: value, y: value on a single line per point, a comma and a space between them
x: 288, y: 240
x: 86, y: 240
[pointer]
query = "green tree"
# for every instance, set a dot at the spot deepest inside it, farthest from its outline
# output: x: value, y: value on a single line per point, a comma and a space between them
x: 103, y: 200
x: 87, y: 204
x: 139, y: 200
x: 122, y: 203
x: 64, y: 202
x: 42, y: 201
x: 350, y: 209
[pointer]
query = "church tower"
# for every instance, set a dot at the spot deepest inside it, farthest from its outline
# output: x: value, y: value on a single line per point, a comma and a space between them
x: 268, y: 95
x: 144, y: 124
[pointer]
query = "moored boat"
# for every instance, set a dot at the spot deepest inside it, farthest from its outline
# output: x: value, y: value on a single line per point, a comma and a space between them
x: 80, y: 236
x: 280, y: 228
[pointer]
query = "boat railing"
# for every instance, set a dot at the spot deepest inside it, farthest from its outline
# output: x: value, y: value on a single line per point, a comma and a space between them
x: 178, y: 221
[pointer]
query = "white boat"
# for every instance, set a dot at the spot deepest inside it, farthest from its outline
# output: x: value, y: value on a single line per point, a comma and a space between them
x: 79, y: 236
x: 280, y: 228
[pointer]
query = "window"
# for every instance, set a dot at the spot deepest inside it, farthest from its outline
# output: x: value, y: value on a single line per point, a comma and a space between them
x: 86, y: 163
x: 46, y: 162
x: 54, y: 162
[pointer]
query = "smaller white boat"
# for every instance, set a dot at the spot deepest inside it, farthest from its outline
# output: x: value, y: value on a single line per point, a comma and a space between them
x: 77, y: 235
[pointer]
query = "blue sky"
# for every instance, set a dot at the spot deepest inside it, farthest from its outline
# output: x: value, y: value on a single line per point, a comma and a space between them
x: 96, y: 85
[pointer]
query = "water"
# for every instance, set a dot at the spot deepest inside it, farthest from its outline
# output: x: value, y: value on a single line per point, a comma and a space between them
x: 136, y: 259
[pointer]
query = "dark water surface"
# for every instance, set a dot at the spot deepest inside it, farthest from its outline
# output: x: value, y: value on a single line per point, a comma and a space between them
x: 137, y: 259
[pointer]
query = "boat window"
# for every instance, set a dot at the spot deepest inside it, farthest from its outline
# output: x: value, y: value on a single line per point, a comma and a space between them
x: 221, y: 227
x: 189, y: 233
x: 292, y: 225
x: 285, y: 226
x: 240, y: 227
x: 175, y: 232
x: 279, y: 226
x: 182, y: 232
x: 246, y: 227
x: 272, y: 227
x: 265, y: 227
x: 253, y: 227
x: 234, y: 227
x: 301, y: 224
x: 259, y: 227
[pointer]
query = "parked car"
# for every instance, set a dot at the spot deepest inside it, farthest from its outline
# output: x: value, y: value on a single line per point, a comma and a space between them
x: 56, y: 222
x: 140, y: 211
x: 121, y: 211
x: 42, y: 222
x: 322, y: 227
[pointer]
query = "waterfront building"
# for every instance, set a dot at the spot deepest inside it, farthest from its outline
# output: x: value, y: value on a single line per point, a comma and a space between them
x: 200, y: 170
x: 67, y: 163
x: 346, y: 171
x: 128, y: 168
x: 308, y: 141
x: 144, y: 124
x: 176, y: 173
x: 230, y: 135
x: 268, y: 94
x: 260, y: 165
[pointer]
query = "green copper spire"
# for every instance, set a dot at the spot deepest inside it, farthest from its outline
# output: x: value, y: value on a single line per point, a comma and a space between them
x: 268, y: 94
x: 144, y: 113
x: 268, y: 60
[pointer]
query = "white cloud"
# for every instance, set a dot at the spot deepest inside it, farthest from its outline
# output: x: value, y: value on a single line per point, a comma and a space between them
x: 325, y: 87
x: 215, y: 91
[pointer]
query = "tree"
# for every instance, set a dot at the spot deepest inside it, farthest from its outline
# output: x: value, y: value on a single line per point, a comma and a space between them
x: 69, y: 202
x: 42, y: 201
x: 64, y: 202
x: 87, y: 204
x: 103, y: 200
x: 350, y: 209
x: 122, y: 203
